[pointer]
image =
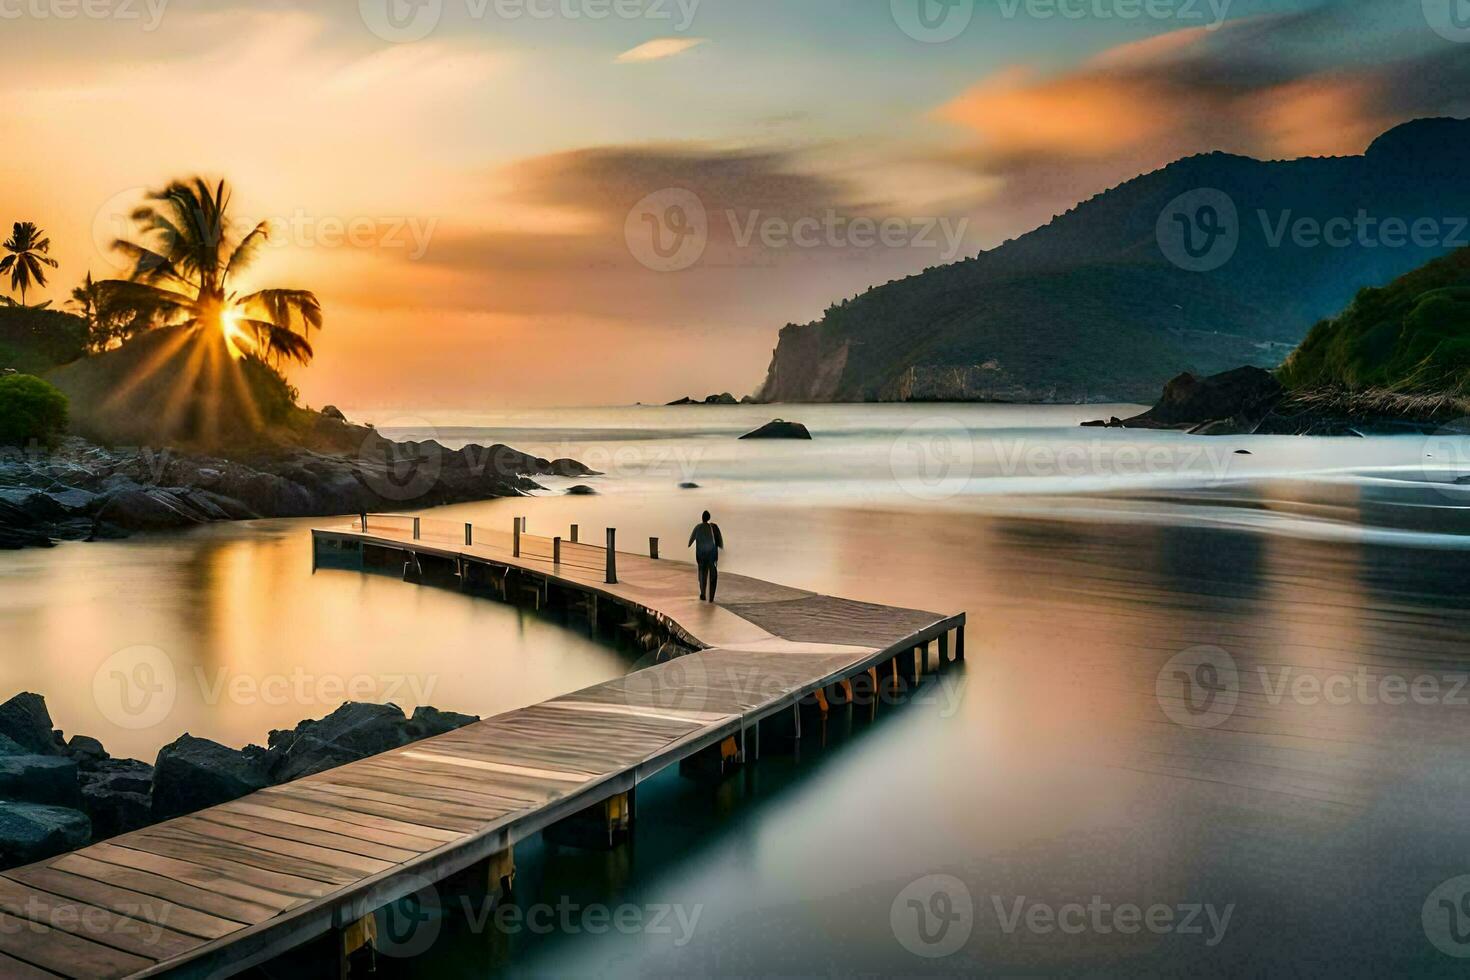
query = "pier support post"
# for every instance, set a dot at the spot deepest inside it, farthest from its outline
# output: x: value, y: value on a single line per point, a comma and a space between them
x: 600, y: 827
x: 576, y: 532
x: 959, y: 644
x: 357, y: 936
x: 500, y: 874
x: 612, y: 556
x: 714, y: 763
x: 469, y: 535
x: 653, y: 548
x: 516, y: 536
x: 943, y: 648
x: 556, y: 551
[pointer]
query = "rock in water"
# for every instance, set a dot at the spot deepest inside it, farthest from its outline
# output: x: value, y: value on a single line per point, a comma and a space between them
x: 779, y: 429
x: 195, y: 773
x: 40, y: 779
x: 31, y: 832
x: 1246, y: 394
x: 428, y: 722
x: 582, y: 490
x: 354, y: 731
x: 25, y: 721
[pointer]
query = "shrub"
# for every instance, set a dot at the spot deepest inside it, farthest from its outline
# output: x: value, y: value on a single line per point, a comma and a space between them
x: 30, y: 409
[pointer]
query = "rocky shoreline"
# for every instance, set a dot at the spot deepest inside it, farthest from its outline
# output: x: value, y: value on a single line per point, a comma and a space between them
x: 81, y: 491
x: 1251, y: 401
x: 59, y: 794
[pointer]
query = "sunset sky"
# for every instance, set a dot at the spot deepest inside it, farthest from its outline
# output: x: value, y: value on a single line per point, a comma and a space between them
x: 486, y: 171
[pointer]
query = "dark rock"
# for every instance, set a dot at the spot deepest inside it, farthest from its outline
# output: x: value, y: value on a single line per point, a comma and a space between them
x: 151, y: 509
x: 120, y: 776
x: 688, y: 486
x: 31, y: 832
x: 354, y: 731
x: 87, y: 751
x: 113, y: 812
x: 581, y: 490
x: 194, y: 773
x: 40, y: 779
x: 25, y: 721
x: 1463, y: 481
x: 748, y: 400
x: 428, y: 722
x: 1244, y: 452
x: 779, y: 429
x: 333, y: 412
x: 724, y: 398
x: 1247, y: 393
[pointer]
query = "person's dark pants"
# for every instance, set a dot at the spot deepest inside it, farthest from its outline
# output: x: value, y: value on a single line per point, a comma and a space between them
x: 709, y: 580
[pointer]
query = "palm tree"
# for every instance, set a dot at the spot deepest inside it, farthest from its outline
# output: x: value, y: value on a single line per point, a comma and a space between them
x: 27, y: 261
x: 183, y: 274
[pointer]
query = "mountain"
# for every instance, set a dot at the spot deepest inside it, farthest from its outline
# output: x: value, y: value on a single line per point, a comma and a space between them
x: 1090, y: 307
x: 34, y: 340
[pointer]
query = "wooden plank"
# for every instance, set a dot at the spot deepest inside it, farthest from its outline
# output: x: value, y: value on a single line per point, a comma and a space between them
x: 13, y: 969
x: 486, y: 796
x: 188, y: 843
x: 283, y: 884
x: 201, y: 876
x: 373, y: 804
x: 67, y: 955
x: 228, y: 910
x: 297, y: 831
x: 302, y: 855
x: 394, y: 833
x: 141, y: 931
x: 472, y: 810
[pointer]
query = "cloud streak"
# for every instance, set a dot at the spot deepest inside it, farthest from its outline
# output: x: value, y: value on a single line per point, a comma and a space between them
x: 659, y: 49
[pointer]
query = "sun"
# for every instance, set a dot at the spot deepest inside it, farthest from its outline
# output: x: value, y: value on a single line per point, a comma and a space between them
x: 236, y: 337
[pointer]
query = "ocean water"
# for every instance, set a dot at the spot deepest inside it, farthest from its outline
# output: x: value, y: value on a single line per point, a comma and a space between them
x: 1213, y: 717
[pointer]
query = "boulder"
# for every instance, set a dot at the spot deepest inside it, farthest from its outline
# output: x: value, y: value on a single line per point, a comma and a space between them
x: 354, y: 731
x: 333, y: 412
x: 428, y: 722
x: 194, y: 773
x: 32, y: 831
x: 581, y: 490
x: 25, y: 721
x: 1247, y: 393
x: 724, y: 398
x: 150, y: 509
x: 779, y: 429
x: 120, y: 776
x: 40, y: 779
x: 87, y: 751
x: 114, y: 811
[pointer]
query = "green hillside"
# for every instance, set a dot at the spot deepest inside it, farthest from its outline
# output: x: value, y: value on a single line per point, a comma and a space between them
x: 34, y: 341
x: 1411, y: 336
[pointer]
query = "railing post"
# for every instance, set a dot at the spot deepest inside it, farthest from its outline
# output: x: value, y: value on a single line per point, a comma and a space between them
x: 363, y: 517
x: 516, y: 531
x: 653, y: 548
x: 556, y: 551
x: 416, y: 528
x: 959, y: 644
x: 612, y: 556
x: 524, y: 525
x: 469, y: 535
x: 576, y: 533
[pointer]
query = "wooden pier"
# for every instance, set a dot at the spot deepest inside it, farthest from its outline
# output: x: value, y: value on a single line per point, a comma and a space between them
x: 225, y: 889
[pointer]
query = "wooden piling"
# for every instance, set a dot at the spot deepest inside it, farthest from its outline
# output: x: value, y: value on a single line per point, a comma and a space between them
x: 516, y: 534
x: 653, y: 548
x: 612, y: 556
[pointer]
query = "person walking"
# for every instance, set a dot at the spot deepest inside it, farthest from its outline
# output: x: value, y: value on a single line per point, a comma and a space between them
x: 706, y: 540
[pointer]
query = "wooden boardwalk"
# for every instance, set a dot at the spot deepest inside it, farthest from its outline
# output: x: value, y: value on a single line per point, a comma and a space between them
x: 219, y: 891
